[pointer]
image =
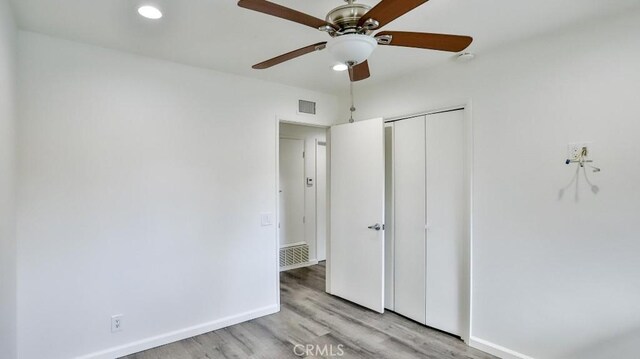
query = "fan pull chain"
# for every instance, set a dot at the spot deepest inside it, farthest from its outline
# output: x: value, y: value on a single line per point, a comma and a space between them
x: 352, y: 109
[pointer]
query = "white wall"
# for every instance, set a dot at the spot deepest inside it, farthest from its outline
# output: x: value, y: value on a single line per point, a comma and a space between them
x: 141, y: 184
x: 553, y: 278
x: 309, y: 135
x: 7, y: 173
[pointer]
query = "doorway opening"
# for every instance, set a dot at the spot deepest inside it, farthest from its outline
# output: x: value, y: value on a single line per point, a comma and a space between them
x: 302, y: 195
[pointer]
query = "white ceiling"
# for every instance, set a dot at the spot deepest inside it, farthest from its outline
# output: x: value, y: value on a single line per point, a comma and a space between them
x: 217, y: 34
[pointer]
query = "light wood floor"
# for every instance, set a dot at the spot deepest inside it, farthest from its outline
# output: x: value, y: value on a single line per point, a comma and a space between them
x: 310, y: 316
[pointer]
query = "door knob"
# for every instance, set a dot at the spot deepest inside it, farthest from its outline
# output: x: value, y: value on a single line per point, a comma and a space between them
x: 376, y: 226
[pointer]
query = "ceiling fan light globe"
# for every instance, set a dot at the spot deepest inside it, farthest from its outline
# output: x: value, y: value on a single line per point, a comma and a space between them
x: 352, y: 48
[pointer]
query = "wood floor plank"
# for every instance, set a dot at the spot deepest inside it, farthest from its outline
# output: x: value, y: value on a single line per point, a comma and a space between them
x: 327, y: 324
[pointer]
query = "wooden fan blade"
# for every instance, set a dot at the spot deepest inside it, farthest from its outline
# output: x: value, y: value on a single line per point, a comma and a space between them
x: 290, y: 55
x: 389, y: 10
x: 359, y: 72
x: 421, y: 40
x: 282, y: 12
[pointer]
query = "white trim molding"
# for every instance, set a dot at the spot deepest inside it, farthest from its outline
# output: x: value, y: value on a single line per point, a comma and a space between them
x: 180, y: 334
x: 494, y: 349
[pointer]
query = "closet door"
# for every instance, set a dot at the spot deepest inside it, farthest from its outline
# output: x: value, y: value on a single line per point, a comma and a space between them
x: 445, y: 181
x: 409, y: 214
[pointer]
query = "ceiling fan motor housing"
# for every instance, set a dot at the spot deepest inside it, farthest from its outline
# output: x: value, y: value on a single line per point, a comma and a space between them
x: 349, y: 45
x: 346, y: 17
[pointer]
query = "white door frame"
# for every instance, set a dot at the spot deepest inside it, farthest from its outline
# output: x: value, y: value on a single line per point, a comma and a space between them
x: 326, y: 185
x: 468, y: 248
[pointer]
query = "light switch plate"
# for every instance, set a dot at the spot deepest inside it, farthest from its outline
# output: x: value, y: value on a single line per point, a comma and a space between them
x: 266, y: 219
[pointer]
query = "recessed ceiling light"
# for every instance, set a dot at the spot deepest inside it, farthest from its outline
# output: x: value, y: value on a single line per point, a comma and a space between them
x: 150, y: 12
x: 340, y: 67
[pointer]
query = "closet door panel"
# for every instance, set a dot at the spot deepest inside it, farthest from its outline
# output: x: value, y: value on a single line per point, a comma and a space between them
x: 445, y: 144
x: 409, y: 214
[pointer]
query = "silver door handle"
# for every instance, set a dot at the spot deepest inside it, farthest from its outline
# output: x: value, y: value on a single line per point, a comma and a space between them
x: 376, y: 226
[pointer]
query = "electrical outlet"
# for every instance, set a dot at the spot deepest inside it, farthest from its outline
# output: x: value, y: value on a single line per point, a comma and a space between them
x: 574, y: 150
x: 116, y: 323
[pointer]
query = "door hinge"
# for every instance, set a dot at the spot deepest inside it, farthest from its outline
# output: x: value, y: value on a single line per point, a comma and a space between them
x: 303, y: 154
x: 304, y: 219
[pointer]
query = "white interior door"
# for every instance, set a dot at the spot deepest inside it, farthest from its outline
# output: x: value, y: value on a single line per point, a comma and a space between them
x: 445, y: 183
x: 409, y: 218
x: 321, y: 201
x: 356, y: 252
x: 291, y: 191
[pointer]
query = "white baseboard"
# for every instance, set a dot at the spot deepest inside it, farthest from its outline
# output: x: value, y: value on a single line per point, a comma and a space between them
x: 494, y: 349
x: 181, y: 334
x: 299, y: 265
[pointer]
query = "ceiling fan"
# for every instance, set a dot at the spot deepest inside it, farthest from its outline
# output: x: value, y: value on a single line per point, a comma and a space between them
x: 351, y: 28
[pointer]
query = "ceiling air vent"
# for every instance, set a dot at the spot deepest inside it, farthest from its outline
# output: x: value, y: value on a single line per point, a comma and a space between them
x: 307, y: 107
